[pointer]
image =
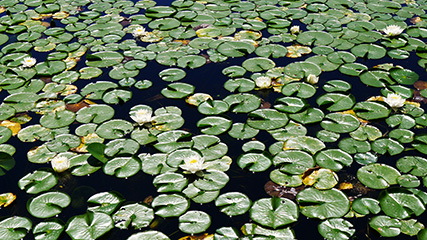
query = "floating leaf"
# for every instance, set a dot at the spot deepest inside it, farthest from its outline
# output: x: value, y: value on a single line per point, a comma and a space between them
x: 48, y: 204
x: 274, y: 212
x: 233, y: 203
x: 336, y: 228
x: 49, y: 230
x: 194, y: 222
x: 15, y: 228
x: 37, y: 181
x: 90, y: 225
x: 136, y: 215
x: 323, y: 204
x: 171, y: 205
x: 378, y: 176
x: 104, y: 202
x: 400, y: 203
x: 386, y: 226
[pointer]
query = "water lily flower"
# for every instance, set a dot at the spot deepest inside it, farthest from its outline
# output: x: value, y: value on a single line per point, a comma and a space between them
x: 139, y: 32
x: 263, y: 82
x: 394, y: 100
x: 393, y: 30
x: 193, y: 164
x: 312, y: 79
x: 28, y: 62
x: 60, y: 163
x: 142, y: 116
x: 294, y: 29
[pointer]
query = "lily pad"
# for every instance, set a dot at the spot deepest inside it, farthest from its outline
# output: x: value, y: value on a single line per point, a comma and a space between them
x: 377, y: 176
x: 90, y: 225
x: 323, y: 204
x: 274, y: 212
x: 48, y: 204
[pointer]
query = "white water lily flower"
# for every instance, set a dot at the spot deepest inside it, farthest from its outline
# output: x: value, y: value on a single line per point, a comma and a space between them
x: 312, y: 79
x: 394, y: 100
x: 139, y: 32
x: 28, y: 62
x: 263, y: 82
x: 393, y: 30
x: 193, y: 164
x: 294, y: 29
x: 60, y: 163
x: 142, y: 116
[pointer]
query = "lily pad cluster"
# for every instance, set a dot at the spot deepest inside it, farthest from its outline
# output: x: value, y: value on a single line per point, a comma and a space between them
x: 68, y: 68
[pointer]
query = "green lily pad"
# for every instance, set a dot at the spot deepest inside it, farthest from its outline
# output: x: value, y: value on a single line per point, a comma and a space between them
x: 212, y: 180
x: 414, y: 165
x: 7, y: 162
x: 293, y: 161
x: 242, y: 131
x: 170, y: 182
x: 150, y: 234
x: 305, y: 143
x: 267, y: 119
x: 336, y: 228
x: 239, y: 84
x: 48, y: 204
x: 258, y: 64
x: 104, y: 202
x: 333, y: 159
x: 114, y: 129
x: 340, y: 123
x: 172, y: 74
x: 37, y: 181
x: 323, y: 204
x: 57, y: 119
x: 90, y: 225
x: 177, y: 90
x: 371, y: 110
x: 386, y: 226
x: 377, y: 176
x: 366, y: 205
x: 170, y: 205
x: 316, y: 38
x: 15, y: 228
x: 122, y: 167
x: 387, y: 145
x: 254, y: 162
x: 135, y: 215
x: 194, y: 222
x: 336, y: 101
x: 400, y: 203
x: 214, y: 125
x: 233, y: 203
x: 274, y: 212
x: 242, y: 103
x: 48, y: 230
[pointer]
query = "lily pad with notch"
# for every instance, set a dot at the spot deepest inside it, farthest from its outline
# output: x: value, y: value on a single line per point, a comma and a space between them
x: 274, y: 212
x: 90, y: 225
x: 378, y: 176
x: 323, y: 204
x: 105, y: 202
x: 48, y: 204
x: 136, y: 215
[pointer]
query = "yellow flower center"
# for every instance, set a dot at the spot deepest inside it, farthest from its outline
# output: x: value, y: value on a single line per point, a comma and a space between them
x: 193, y: 161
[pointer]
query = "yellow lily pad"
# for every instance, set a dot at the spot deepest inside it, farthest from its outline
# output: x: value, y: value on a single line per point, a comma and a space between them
x: 296, y: 51
x: 13, y: 126
x: 6, y: 199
